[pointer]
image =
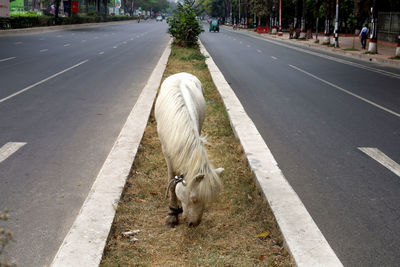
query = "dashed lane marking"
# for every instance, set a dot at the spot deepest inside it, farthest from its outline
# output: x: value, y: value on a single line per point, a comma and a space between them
x: 43, y: 50
x: 346, y: 91
x: 273, y: 57
x: 380, y: 157
x: 42, y: 81
x: 8, y: 149
x: 6, y: 59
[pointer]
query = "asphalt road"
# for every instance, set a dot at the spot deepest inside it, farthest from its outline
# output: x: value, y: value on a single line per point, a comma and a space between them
x: 316, y: 112
x: 65, y: 95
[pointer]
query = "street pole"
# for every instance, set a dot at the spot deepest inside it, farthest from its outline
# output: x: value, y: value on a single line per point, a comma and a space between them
x: 255, y: 18
x: 280, y: 15
x: 337, y: 25
x: 240, y: 21
x: 372, y: 47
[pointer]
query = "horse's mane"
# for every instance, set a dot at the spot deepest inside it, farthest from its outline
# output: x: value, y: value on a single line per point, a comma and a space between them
x: 180, y: 114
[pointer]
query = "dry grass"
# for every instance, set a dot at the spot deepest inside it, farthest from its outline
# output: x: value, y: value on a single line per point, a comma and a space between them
x: 227, y: 235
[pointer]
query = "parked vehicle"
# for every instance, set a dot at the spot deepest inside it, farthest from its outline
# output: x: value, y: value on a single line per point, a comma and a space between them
x: 159, y: 18
x: 214, y: 25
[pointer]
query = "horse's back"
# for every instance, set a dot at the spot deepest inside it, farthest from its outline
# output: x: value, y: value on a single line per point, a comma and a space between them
x: 181, y: 93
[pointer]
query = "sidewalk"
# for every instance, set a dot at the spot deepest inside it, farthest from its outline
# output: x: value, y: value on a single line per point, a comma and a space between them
x: 386, y: 50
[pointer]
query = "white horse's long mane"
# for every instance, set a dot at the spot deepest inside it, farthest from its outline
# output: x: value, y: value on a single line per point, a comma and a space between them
x: 180, y: 112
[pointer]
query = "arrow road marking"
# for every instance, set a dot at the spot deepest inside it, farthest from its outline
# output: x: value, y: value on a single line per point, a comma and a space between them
x: 380, y: 157
x: 42, y: 81
x: 9, y: 149
x: 346, y: 91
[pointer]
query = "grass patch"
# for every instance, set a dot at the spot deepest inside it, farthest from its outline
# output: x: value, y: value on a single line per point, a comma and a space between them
x: 370, y: 53
x: 351, y: 49
x: 227, y: 235
x: 396, y: 57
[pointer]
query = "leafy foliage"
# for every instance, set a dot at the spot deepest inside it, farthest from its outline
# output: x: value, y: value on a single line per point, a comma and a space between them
x: 184, y: 26
x: 5, y: 238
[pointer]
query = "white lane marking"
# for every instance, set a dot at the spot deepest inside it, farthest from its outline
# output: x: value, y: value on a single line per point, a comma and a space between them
x: 131, y: 39
x: 43, y: 50
x: 101, y: 53
x: 67, y: 45
x: 273, y: 57
x: 115, y: 46
x: 83, y: 41
x: 42, y: 81
x: 380, y: 157
x: 5, y: 59
x: 259, y: 51
x: 17, y: 43
x: 125, y: 42
x: 8, y: 149
x: 248, y: 45
x: 347, y: 92
x: 240, y: 42
x: 332, y: 58
x: 59, y: 36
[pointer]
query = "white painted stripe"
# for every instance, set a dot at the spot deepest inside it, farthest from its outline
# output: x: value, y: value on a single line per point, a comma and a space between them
x: 380, y: 157
x: 85, y: 242
x: 273, y: 57
x: 101, y: 53
x: 124, y: 42
x: 8, y: 149
x: 43, y: 50
x: 42, y: 81
x: 6, y: 59
x: 83, y: 41
x: 304, y: 240
x: 347, y: 92
x: 248, y: 45
x: 115, y: 46
x: 259, y: 51
x: 17, y: 43
x: 67, y: 45
x: 332, y: 58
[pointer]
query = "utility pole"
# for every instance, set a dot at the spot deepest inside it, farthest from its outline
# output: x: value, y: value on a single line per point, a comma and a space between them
x: 337, y: 25
x: 240, y: 21
x: 280, y: 15
x: 372, y: 47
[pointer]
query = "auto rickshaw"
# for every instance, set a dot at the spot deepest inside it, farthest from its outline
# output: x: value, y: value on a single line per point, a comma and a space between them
x: 214, y: 25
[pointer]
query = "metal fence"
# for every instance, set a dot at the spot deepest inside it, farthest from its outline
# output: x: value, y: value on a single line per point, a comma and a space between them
x: 388, y: 26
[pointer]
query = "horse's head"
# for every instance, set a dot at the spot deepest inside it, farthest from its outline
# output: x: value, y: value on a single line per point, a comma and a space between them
x: 193, y: 198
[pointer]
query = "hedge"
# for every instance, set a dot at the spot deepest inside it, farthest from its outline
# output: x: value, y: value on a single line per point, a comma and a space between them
x: 33, y: 20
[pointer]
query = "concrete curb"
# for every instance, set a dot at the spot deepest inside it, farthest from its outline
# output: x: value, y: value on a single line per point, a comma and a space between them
x: 304, y: 240
x: 84, y: 244
x: 363, y: 57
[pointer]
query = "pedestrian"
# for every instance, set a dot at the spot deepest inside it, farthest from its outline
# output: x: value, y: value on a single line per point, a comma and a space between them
x: 364, y: 36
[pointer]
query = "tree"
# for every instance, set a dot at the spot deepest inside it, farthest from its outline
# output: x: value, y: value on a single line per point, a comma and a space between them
x: 183, y: 26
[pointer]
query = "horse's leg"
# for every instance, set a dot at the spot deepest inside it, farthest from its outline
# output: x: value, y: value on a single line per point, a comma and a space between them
x: 172, y: 218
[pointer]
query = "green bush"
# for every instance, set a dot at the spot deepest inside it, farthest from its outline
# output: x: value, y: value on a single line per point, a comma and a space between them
x: 183, y: 25
x: 28, y: 20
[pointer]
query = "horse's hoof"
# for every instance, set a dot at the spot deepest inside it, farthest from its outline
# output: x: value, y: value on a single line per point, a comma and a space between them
x: 171, y: 221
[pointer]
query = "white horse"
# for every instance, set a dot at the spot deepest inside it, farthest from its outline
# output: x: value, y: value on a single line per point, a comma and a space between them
x: 179, y: 111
